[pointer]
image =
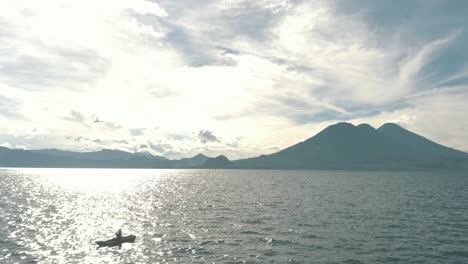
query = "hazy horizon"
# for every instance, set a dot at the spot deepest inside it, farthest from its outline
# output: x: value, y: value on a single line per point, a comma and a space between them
x: 185, y: 156
x: 238, y: 78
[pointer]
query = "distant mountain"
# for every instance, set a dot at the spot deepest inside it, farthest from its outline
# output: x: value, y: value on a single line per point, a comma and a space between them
x: 149, y: 155
x: 217, y: 163
x: 105, y: 158
x: 26, y: 158
x: 193, y: 162
x: 342, y: 146
x: 345, y: 146
x: 105, y: 154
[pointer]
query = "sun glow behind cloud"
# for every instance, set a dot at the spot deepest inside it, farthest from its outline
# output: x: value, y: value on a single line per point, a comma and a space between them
x: 259, y: 76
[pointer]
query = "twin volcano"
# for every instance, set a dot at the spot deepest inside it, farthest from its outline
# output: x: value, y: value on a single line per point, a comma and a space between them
x: 345, y: 146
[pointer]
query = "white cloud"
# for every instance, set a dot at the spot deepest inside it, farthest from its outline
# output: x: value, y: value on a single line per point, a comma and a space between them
x: 6, y: 145
x: 410, y: 68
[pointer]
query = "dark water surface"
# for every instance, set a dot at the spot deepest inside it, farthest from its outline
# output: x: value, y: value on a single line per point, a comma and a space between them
x: 233, y: 216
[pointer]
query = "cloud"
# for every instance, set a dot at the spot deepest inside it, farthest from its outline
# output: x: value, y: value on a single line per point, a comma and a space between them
x: 125, y: 142
x: 179, y: 136
x: 88, y: 121
x: 75, y: 116
x: 162, y: 92
x: 414, y: 65
x: 204, y: 44
x: 9, y: 108
x: 111, y: 125
x: 137, y: 131
x: 6, y: 145
x: 161, y: 148
x: 34, y: 72
x: 207, y: 136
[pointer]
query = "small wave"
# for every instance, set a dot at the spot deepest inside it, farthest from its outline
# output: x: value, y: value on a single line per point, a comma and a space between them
x: 212, y: 242
x: 306, y: 224
x: 455, y: 253
x: 389, y: 260
x: 309, y: 235
x: 255, y: 221
x: 249, y: 232
x: 352, y: 261
x: 278, y: 242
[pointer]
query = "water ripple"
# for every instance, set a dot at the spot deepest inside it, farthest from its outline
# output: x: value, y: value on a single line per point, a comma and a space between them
x: 200, y: 216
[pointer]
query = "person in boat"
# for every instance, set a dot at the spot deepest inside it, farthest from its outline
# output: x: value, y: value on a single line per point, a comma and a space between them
x: 119, y: 234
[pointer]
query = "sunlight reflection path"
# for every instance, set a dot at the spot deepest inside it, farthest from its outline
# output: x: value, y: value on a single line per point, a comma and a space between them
x: 66, y: 211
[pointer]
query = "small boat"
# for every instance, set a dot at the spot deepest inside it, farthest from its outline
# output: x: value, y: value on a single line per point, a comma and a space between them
x: 116, y: 242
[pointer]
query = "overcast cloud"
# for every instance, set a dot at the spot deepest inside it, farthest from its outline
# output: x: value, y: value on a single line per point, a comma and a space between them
x: 132, y: 74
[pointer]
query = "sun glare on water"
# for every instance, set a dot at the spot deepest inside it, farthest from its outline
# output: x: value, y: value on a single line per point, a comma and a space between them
x: 64, y: 207
x: 96, y: 181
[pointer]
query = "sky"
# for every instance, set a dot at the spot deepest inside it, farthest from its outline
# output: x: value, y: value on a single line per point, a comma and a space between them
x: 233, y: 77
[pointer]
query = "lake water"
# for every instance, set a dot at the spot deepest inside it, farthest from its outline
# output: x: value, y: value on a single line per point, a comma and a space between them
x: 233, y: 216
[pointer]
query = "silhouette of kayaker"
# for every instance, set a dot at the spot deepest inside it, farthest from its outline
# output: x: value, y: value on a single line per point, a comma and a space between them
x: 117, y: 241
x: 119, y: 234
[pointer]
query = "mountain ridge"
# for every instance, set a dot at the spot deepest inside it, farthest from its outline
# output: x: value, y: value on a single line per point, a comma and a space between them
x: 341, y: 146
